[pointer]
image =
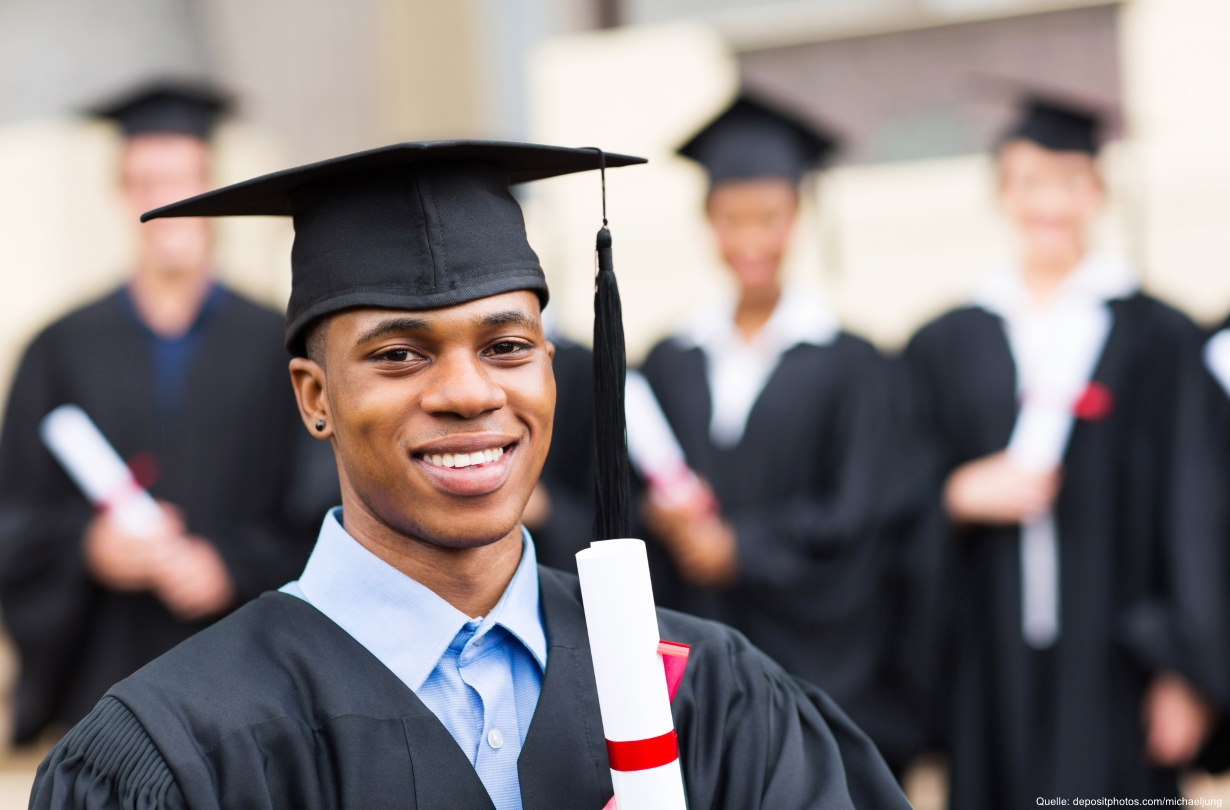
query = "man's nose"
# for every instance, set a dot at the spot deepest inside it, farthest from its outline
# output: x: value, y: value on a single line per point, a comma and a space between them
x: 461, y: 385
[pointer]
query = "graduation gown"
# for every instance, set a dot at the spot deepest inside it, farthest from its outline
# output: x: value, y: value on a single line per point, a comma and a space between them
x: 1142, y: 561
x: 804, y: 488
x: 276, y: 706
x: 568, y: 473
x: 237, y: 461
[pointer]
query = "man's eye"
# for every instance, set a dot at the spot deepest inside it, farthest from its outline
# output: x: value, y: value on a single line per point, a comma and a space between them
x: 506, y: 347
x: 396, y: 355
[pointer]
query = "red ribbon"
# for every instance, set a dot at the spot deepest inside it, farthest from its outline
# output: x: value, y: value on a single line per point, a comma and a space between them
x: 641, y: 755
x: 1095, y: 403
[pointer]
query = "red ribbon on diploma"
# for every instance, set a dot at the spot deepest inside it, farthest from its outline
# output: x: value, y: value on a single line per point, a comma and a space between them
x: 640, y: 755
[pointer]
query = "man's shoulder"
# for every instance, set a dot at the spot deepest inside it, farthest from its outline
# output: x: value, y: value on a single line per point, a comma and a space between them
x: 275, y: 658
x: 87, y: 319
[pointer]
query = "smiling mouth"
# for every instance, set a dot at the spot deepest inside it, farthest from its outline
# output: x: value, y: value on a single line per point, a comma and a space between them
x: 477, y: 458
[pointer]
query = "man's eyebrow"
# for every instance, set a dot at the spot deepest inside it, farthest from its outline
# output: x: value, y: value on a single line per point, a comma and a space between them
x: 511, y: 317
x: 391, y: 325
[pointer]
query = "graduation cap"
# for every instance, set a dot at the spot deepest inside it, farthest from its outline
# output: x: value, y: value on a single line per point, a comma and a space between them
x: 750, y: 139
x: 179, y: 108
x: 424, y: 225
x: 1058, y: 126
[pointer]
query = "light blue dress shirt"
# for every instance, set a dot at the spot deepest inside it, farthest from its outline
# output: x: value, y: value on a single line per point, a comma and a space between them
x: 480, y: 676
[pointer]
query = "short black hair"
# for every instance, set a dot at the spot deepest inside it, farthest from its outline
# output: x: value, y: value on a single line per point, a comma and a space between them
x: 313, y: 341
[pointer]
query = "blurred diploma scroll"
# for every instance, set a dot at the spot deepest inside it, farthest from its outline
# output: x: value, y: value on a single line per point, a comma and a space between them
x: 1058, y: 354
x: 98, y: 470
x: 656, y: 454
x: 632, y: 689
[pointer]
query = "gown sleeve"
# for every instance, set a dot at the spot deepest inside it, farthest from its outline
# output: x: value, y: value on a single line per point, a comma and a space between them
x: 776, y: 541
x: 1182, y: 625
x: 754, y: 737
x: 45, y: 593
x: 107, y: 762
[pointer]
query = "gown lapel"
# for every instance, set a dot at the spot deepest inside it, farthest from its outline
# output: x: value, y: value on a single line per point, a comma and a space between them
x: 563, y: 762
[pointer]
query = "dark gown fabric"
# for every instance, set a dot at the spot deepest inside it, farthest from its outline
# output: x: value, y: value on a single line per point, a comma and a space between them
x: 234, y: 457
x: 805, y: 490
x: 1142, y: 562
x: 568, y: 474
x: 276, y: 706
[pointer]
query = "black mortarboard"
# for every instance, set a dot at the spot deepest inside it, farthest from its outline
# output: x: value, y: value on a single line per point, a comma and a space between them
x: 179, y: 108
x: 423, y: 225
x: 1057, y: 126
x: 750, y: 139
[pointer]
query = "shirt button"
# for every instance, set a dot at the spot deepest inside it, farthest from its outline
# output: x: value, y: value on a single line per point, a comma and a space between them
x: 495, y: 738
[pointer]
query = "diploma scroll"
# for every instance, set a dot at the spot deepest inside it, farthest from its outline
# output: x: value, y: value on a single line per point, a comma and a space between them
x: 633, y: 695
x: 98, y: 470
x: 656, y: 453
x: 1056, y: 359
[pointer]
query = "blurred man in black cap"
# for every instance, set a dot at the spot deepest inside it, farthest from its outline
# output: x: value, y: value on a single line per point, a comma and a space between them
x: 786, y: 417
x: 186, y: 380
x: 423, y: 659
x: 1071, y: 419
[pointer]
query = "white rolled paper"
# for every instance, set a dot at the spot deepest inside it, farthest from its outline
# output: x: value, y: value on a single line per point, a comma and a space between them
x: 1056, y: 354
x: 654, y: 450
x: 100, y: 473
x: 632, y: 694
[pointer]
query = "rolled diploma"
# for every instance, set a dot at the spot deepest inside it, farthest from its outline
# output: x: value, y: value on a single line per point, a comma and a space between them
x: 632, y: 694
x: 1038, y: 441
x: 653, y: 448
x: 98, y: 470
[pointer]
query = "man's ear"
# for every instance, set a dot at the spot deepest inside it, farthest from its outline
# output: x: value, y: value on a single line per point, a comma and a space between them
x: 312, y: 393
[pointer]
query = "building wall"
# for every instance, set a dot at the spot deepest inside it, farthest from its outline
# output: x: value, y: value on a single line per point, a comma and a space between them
x: 891, y: 243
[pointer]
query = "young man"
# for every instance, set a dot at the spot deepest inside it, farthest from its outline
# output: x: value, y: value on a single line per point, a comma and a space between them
x: 1071, y: 417
x: 423, y: 659
x: 786, y: 417
x: 184, y: 378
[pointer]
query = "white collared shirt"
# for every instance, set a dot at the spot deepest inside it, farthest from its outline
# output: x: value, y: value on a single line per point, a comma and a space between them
x: 738, y: 370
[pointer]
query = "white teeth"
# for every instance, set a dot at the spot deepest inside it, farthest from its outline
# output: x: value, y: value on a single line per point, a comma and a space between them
x: 465, y: 459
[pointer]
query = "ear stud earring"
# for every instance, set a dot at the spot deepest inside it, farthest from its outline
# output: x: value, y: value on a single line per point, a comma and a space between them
x: 320, y: 425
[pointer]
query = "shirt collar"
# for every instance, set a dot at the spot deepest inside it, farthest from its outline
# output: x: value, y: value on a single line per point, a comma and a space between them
x: 406, y: 625
x: 798, y: 318
x: 1097, y: 278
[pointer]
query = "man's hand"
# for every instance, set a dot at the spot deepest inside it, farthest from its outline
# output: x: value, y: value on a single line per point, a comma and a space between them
x: 996, y: 490
x: 193, y: 583
x: 1177, y: 720
x: 704, y: 548
x: 126, y: 562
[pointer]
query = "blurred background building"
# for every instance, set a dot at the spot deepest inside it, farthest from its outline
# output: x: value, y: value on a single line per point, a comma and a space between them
x: 896, y: 233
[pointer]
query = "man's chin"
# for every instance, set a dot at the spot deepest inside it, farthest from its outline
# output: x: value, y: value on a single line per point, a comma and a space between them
x: 459, y: 531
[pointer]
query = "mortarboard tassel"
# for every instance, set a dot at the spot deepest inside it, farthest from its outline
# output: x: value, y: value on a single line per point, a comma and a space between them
x: 613, y: 515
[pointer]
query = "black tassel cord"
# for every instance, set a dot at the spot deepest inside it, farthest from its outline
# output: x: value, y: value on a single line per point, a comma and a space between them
x: 613, y: 515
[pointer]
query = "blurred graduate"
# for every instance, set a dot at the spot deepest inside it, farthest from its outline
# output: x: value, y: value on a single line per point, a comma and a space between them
x: 186, y: 379
x: 424, y: 659
x: 1072, y: 419
x: 786, y: 418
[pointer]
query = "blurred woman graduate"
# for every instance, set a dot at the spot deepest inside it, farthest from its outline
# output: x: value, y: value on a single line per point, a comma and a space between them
x: 1072, y: 417
x: 785, y: 417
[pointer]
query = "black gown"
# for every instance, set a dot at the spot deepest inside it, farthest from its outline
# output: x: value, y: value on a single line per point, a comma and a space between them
x: 276, y: 706
x: 1142, y: 545
x: 805, y: 490
x: 237, y: 461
